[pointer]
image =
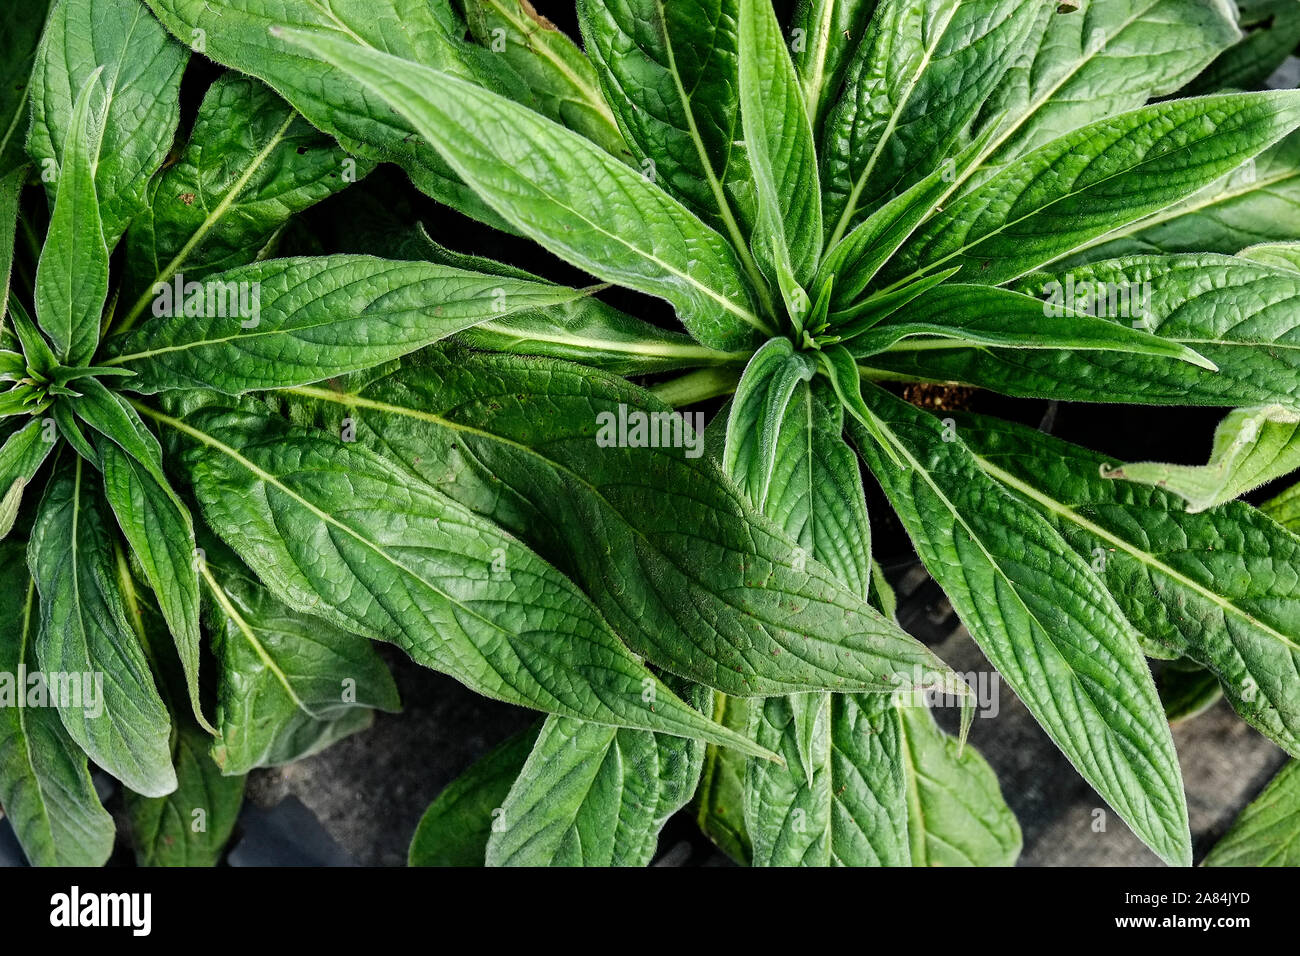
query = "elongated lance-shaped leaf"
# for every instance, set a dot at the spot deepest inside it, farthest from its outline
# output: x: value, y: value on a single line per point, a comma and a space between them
x: 610, y: 220
x: 1272, y: 33
x: 112, y: 416
x: 1041, y: 615
x: 454, y: 831
x: 758, y: 414
x: 45, y: 786
x: 782, y: 157
x: 287, y: 322
x: 11, y: 187
x: 1101, y: 57
x: 670, y: 71
x: 824, y: 34
x: 237, y: 34
x: 1240, y: 315
x: 984, y: 315
x: 119, y: 719
x: 561, y: 79
x: 21, y: 457
x: 1218, y: 587
x: 250, y: 164
x: 1252, y: 446
x: 594, y: 796
x: 336, y: 530
x: 674, y: 556
x: 719, y: 806
x: 1257, y: 202
x: 140, y: 97
x: 18, y: 46
x: 1267, y: 833
x: 956, y: 814
x: 161, y: 534
x: 288, y: 685
x: 1096, y: 179
x: 72, y: 277
x: 914, y: 91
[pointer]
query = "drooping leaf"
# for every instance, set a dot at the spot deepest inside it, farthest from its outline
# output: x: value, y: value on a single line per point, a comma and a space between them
x: 594, y: 796
x: 1267, y: 833
x: 1041, y: 615
x: 1217, y: 587
x: 1093, y: 180
x: 250, y: 164
x: 141, y: 83
x: 454, y: 831
x: 45, y: 786
x: 336, y: 530
x: 287, y: 685
x: 956, y: 813
x: 607, y: 219
x: 85, y: 632
x: 720, y: 800
x: 1252, y: 446
x: 678, y: 562
x: 306, y: 319
x: 72, y: 278
x: 21, y: 456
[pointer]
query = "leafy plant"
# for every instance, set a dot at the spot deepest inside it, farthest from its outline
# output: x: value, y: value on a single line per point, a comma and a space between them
x: 294, y: 456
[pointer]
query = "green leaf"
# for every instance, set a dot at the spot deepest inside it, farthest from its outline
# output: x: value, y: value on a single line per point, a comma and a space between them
x: 670, y: 71
x: 336, y: 530
x: 956, y: 814
x: 191, y: 826
x: 1187, y: 689
x: 1093, y: 180
x: 1240, y: 315
x: 72, y: 277
x: 782, y: 157
x: 1267, y: 833
x: 914, y: 91
x: 1252, y: 446
x: 560, y: 77
x: 720, y: 800
x: 454, y: 831
x: 824, y: 35
x: 1256, y: 202
x: 1272, y: 33
x: 594, y: 796
x: 1217, y: 587
x: 1042, y: 617
x: 563, y: 191
x: 251, y: 163
x: 45, y: 785
x: 287, y: 685
x: 1101, y: 57
x: 307, y: 319
x: 758, y: 413
x: 161, y: 534
x: 36, y: 351
x: 11, y: 187
x: 18, y: 46
x: 142, y: 74
x: 1285, y: 508
x: 1279, y: 255
x: 85, y: 631
x: 676, y: 559
x: 21, y: 457
x: 982, y: 315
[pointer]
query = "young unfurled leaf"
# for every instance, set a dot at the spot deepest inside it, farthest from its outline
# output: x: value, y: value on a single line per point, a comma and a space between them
x: 141, y: 86
x: 454, y: 831
x: 956, y: 813
x: 250, y: 164
x: 827, y: 32
x: 1252, y: 446
x: 594, y: 796
x: 72, y: 278
x: 1267, y: 833
x: 287, y: 322
x: 1095, y: 179
x: 610, y: 220
x: 45, y: 785
x: 379, y: 552
x: 1041, y: 615
x: 121, y: 721
x: 287, y: 685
